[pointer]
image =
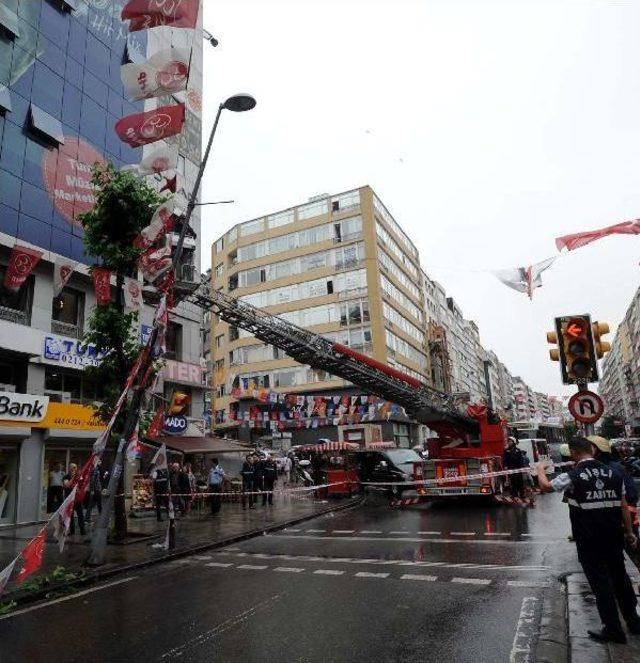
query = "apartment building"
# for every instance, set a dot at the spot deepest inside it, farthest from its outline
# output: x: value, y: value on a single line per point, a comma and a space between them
x: 341, y: 266
x: 620, y: 370
x: 60, y: 97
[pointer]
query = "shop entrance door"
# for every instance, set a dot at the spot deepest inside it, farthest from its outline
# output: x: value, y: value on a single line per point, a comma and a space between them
x: 8, y: 484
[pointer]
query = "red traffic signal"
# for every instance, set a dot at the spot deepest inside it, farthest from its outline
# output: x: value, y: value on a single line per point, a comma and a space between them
x: 576, y: 349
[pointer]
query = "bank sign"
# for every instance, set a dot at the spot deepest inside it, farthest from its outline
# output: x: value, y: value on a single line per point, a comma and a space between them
x: 23, y: 407
x: 70, y: 352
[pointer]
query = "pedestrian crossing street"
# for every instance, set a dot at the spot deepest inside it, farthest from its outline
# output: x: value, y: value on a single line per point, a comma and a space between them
x: 234, y: 559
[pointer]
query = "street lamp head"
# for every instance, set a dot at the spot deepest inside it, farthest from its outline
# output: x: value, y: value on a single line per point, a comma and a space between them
x: 239, y: 103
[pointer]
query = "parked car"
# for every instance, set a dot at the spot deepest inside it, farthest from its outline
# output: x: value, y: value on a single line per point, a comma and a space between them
x: 388, y: 466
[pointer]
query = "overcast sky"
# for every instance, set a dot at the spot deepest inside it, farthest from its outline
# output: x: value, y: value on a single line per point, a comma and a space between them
x: 488, y: 128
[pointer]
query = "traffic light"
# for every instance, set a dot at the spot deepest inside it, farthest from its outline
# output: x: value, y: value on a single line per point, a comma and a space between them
x: 554, y: 353
x: 599, y: 330
x: 576, y: 349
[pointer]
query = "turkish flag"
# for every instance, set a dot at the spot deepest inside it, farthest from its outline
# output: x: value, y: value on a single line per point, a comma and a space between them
x: 156, y: 425
x: 145, y: 14
x: 578, y: 240
x: 22, y: 262
x: 32, y: 555
x: 144, y: 128
x: 102, y: 285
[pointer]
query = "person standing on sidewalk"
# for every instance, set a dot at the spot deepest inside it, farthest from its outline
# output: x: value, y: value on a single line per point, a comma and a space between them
x: 216, y: 477
x: 597, y: 509
x: 160, y: 492
x: 269, y: 478
x: 248, y: 474
x: 94, y: 495
x: 513, y: 461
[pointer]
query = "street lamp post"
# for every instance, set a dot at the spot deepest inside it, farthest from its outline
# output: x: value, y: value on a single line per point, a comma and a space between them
x: 238, y: 103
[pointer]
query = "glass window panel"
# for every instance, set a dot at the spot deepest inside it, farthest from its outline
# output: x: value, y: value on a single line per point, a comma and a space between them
x: 313, y: 209
x: 9, y: 21
x: 46, y: 124
x: 280, y: 219
x: 251, y: 227
x: 67, y: 306
x: 355, y: 315
x: 13, y: 146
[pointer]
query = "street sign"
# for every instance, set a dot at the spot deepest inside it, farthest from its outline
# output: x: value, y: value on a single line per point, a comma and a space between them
x: 586, y: 407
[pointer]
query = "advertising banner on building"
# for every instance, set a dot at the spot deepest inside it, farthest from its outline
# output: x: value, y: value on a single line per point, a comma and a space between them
x: 69, y: 352
x: 144, y: 128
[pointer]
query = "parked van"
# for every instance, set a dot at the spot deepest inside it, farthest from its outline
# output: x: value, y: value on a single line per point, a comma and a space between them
x: 388, y: 466
x: 536, y: 448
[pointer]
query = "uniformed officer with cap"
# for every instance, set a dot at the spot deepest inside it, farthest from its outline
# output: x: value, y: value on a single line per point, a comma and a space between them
x: 595, y: 494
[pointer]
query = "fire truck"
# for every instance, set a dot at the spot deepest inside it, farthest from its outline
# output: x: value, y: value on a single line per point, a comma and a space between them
x: 469, y: 442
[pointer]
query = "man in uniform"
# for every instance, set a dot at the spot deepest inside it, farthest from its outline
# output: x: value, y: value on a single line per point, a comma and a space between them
x: 597, y: 509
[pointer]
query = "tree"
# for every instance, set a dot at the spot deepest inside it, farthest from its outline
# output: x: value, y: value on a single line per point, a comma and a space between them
x: 124, y: 206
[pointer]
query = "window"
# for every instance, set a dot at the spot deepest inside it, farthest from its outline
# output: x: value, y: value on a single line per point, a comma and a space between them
x: 46, y: 124
x: 9, y: 21
x: 401, y: 435
x: 69, y: 386
x: 346, y: 201
x: 280, y: 219
x: 174, y: 341
x: 16, y: 306
x: 402, y: 278
x: 391, y: 222
x: 220, y: 390
x: 68, y: 310
x: 391, y: 244
x: 310, y: 210
x: 219, y: 269
x: 219, y: 341
x: 400, y: 297
x: 219, y: 245
x: 232, y: 235
x: 251, y: 227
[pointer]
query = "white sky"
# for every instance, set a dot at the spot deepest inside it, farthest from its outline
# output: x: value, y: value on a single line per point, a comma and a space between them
x: 496, y: 126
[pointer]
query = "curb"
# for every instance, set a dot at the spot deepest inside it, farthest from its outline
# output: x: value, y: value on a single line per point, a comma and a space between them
x: 95, y: 577
x: 553, y: 641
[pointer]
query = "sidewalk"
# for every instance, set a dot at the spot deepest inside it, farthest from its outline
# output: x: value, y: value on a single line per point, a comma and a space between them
x: 582, y: 615
x: 197, y: 531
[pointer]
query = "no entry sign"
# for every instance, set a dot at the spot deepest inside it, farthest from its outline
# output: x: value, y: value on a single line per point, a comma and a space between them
x: 586, y: 407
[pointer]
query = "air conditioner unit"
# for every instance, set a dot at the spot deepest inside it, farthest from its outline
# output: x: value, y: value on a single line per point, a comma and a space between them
x: 8, y: 387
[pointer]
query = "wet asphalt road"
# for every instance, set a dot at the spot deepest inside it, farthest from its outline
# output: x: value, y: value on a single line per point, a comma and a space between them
x: 454, y: 582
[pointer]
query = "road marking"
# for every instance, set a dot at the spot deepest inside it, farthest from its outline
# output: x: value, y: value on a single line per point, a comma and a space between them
x: 253, y: 567
x: 263, y: 556
x: 528, y: 583
x: 366, y: 574
x: 201, y: 558
x: 497, y: 533
x: 288, y: 569
x: 472, y: 581
x: 316, y: 531
x: 221, y: 565
x: 430, y: 533
x: 183, y: 560
x: 84, y: 592
x: 289, y: 529
x: 328, y: 572
x: 462, y: 533
x: 404, y: 532
x: 342, y: 531
x: 222, y: 627
x: 525, y: 631
x: 370, y: 531
x: 415, y: 576
x: 411, y: 539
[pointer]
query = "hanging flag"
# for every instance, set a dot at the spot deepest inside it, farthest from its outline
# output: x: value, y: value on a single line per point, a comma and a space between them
x: 159, y: 161
x: 524, y: 279
x: 159, y: 461
x: 62, y: 519
x: 156, y: 425
x: 161, y: 223
x: 133, y: 294
x: 145, y: 14
x: 578, y: 240
x: 144, y: 128
x: 5, y: 574
x: 164, y: 73
x: 62, y: 270
x: 32, y: 555
x: 22, y: 262
x: 161, y: 318
x: 101, y: 285
x: 170, y: 184
x: 83, y: 478
x: 156, y: 262
x: 133, y: 448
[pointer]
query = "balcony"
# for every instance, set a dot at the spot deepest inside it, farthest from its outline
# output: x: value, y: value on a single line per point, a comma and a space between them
x: 65, y: 329
x: 14, y: 315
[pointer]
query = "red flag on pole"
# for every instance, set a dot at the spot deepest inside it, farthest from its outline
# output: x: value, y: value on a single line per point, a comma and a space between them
x: 145, y: 14
x: 144, y: 128
x: 32, y: 555
x: 578, y: 240
x: 102, y: 285
x: 22, y: 262
x: 156, y: 425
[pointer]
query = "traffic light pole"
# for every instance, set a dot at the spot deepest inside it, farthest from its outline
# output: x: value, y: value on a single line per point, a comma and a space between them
x: 589, y: 429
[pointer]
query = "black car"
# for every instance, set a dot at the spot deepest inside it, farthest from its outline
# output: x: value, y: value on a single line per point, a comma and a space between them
x: 388, y: 466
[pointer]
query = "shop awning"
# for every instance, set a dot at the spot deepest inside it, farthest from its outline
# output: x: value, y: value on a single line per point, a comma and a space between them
x: 203, y: 445
x: 380, y: 445
x: 329, y: 446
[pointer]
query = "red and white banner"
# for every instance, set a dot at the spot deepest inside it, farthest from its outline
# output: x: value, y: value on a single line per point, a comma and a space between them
x: 525, y: 279
x: 166, y: 72
x: 578, y: 240
x: 32, y: 555
x: 133, y: 294
x: 144, y: 128
x: 22, y: 262
x: 101, y: 285
x: 62, y: 270
x: 5, y: 574
x: 145, y: 14
x: 161, y: 223
x: 62, y: 519
x: 156, y: 262
x: 159, y: 161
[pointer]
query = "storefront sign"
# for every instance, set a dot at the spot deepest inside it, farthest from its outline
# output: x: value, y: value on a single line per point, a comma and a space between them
x: 177, y: 371
x: 175, y: 425
x: 60, y: 350
x: 22, y: 407
x: 62, y: 416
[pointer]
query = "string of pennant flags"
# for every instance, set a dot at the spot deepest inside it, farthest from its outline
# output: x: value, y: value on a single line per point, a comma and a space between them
x: 166, y: 72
